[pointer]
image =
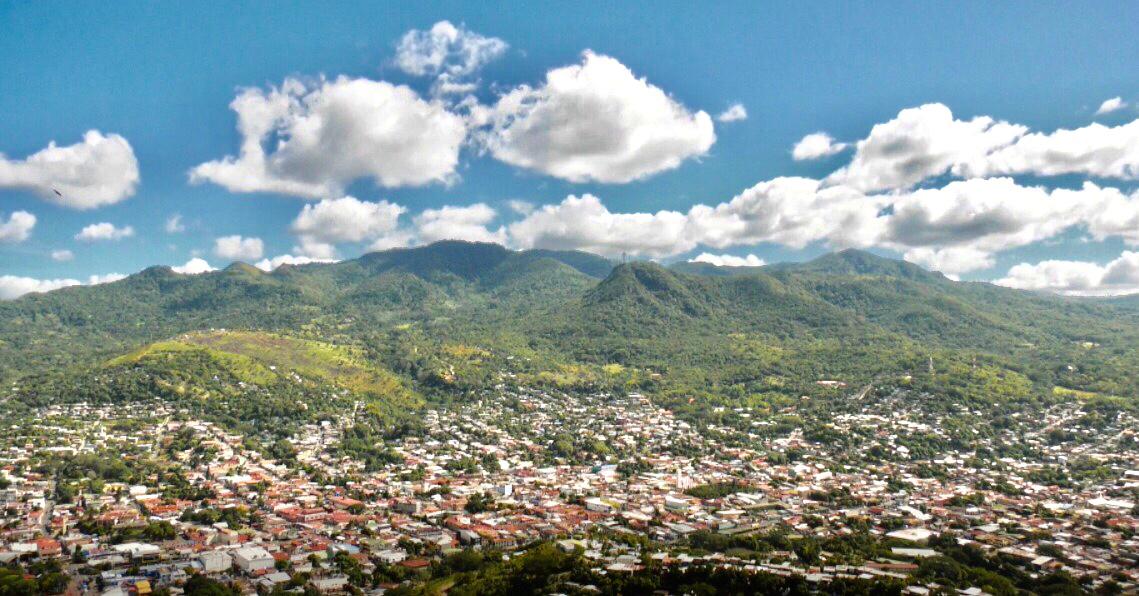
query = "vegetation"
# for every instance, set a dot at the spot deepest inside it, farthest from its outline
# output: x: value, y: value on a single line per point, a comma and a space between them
x: 385, y: 332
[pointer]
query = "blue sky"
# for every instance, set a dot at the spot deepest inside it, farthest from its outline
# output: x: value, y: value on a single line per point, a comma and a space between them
x: 162, y: 76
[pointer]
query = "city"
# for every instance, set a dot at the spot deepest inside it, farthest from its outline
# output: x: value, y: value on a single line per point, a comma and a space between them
x: 619, y: 481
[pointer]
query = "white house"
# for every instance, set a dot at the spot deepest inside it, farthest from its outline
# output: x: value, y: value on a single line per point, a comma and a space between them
x: 215, y: 561
x: 252, y: 558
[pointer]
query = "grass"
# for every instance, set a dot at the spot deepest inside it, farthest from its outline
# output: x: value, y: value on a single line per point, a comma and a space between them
x: 263, y: 358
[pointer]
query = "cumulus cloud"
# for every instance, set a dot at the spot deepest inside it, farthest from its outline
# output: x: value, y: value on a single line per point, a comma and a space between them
x: 585, y: 223
x: 951, y: 261
x: 928, y: 141
x: 449, y: 53
x: 322, y: 225
x: 105, y: 279
x: 595, y: 121
x: 790, y: 211
x: 99, y: 170
x: 734, y: 113
x: 314, y: 249
x: 238, y: 248
x: 728, y: 260
x: 174, y: 224
x: 961, y: 226
x: 1119, y: 276
x: 957, y: 228
x: 816, y: 146
x: 458, y: 223
x: 104, y: 231
x: 1094, y: 150
x: 1111, y: 105
x: 17, y: 228
x: 277, y: 261
x: 990, y: 214
x: 397, y: 239
x: 62, y: 255
x: 12, y: 287
x: 194, y: 266
x: 520, y: 207
x: 921, y: 143
x: 323, y: 136
x: 446, y: 48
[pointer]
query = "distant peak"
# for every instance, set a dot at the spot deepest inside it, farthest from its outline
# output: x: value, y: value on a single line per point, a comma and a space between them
x: 239, y: 267
x: 853, y: 261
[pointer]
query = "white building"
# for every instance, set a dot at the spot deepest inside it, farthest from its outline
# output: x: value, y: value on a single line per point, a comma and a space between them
x: 252, y: 558
x: 215, y: 561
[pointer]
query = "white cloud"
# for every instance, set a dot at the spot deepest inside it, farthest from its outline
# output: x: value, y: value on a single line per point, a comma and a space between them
x: 104, y: 231
x: 314, y: 249
x: 1111, y: 105
x: 961, y: 226
x: 17, y: 228
x: 277, y: 261
x: 98, y: 171
x: 927, y: 142
x: 954, y: 229
x: 585, y: 223
x: 174, y: 224
x: 728, y: 260
x: 520, y: 207
x: 921, y: 143
x: 990, y: 214
x: 446, y: 48
x: 12, y: 287
x: 734, y: 113
x: 62, y: 255
x: 237, y: 248
x: 816, y: 145
x: 458, y: 223
x: 333, y: 133
x: 596, y: 121
x: 322, y: 225
x: 450, y: 53
x: 1120, y: 276
x: 397, y: 239
x: 951, y: 261
x: 1094, y: 150
x: 194, y: 266
x: 790, y: 211
x: 95, y: 280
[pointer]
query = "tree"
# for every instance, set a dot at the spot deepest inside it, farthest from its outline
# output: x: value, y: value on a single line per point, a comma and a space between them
x: 200, y: 585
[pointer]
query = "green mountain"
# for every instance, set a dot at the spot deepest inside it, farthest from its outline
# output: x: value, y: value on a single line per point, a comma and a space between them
x: 455, y: 317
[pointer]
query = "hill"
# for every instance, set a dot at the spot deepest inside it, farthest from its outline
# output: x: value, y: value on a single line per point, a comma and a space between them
x: 251, y: 380
x: 455, y: 317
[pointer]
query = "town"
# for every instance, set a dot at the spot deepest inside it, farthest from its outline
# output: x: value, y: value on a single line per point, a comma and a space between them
x: 141, y: 498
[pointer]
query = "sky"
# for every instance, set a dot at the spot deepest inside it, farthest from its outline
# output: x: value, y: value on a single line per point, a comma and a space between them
x: 988, y: 142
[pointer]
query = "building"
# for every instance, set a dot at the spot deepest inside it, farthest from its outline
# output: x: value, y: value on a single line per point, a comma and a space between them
x: 215, y: 561
x: 252, y: 558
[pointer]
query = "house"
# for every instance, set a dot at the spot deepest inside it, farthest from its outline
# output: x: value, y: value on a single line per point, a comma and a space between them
x: 215, y: 561
x: 252, y: 558
x: 330, y: 585
x: 48, y: 547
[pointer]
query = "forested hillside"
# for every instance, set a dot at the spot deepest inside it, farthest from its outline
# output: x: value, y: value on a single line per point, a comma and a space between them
x: 456, y: 317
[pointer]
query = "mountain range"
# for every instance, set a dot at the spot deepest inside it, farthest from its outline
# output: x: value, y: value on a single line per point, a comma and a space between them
x: 455, y: 317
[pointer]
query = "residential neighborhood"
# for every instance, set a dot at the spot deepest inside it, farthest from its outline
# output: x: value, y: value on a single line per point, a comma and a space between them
x: 615, y: 479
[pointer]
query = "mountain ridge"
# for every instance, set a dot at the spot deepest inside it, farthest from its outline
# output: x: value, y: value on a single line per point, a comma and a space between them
x: 552, y: 307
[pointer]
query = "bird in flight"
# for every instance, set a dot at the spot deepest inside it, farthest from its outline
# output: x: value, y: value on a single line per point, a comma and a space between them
x: 57, y: 193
